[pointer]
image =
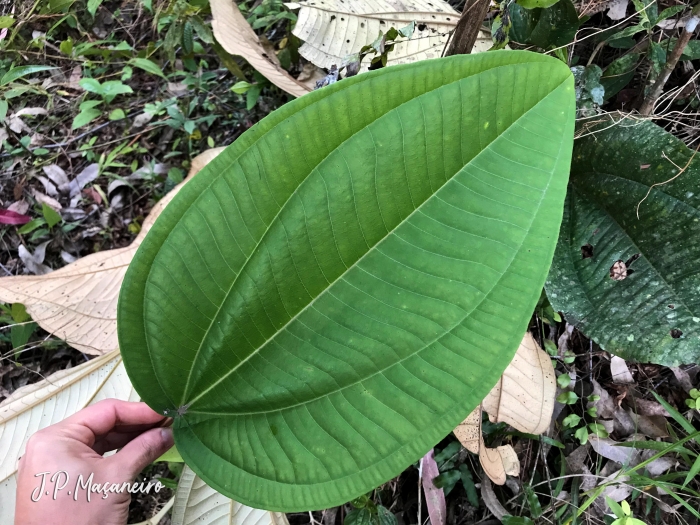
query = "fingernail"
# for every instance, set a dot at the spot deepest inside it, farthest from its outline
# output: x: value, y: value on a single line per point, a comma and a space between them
x: 166, y: 434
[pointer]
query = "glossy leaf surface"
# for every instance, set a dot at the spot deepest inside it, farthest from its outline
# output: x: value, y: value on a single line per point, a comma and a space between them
x: 339, y: 288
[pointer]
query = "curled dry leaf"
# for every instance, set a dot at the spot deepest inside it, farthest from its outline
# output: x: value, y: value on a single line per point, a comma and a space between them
x: 237, y: 37
x: 337, y: 29
x: 196, y: 502
x: 524, y: 396
x: 496, y: 462
x: 78, y: 302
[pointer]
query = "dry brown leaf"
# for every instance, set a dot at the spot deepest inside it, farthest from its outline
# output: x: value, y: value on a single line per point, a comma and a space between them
x: 496, y: 462
x: 237, y: 37
x: 78, y: 303
x: 334, y: 29
x: 524, y: 396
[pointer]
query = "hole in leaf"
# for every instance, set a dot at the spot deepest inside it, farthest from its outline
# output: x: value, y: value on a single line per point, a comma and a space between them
x: 618, y: 271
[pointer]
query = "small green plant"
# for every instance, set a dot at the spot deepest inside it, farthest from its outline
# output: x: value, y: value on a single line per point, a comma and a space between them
x: 108, y: 90
x: 367, y: 512
x: 694, y: 400
x: 622, y: 512
x: 21, y: 326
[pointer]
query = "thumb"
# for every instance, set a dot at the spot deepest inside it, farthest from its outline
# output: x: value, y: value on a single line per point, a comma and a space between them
x: 143, y: 450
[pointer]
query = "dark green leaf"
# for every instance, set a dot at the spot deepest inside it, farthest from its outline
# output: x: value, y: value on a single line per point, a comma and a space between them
x: 359, y: 517
x: 619, y: 73
x: 385, y: 516
x: 652, y: 314
x: 556, y: 26
x: 532, y: 4
x: 323, y: 293
x: 469, y: 486
x: 187, y: 41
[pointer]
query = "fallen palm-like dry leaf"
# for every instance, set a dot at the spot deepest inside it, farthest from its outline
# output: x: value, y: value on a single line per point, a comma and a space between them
x: 334, y: 29
x: 524, y: 395
x: 237, y: 37
x: 78, y: 303
x: 197, y: 502
x: 39, y: 405
x: 497, y: 462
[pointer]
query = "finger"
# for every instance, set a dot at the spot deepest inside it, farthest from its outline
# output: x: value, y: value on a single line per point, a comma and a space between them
x: 142, y: 451
x: 105, y: 415
x: 114, y: 440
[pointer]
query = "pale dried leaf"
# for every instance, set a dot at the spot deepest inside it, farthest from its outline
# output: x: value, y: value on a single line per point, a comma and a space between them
x: 646, y: 407
x: 524, y: 395
x: 86, y: 176
x: 237, y: 37
x: 49, y: 186
x: 42, y: 198
x: 56, y: 174
x: 617, y: 9
x: 651, y: 426
x: 434, y: 496
x: 32, y: 261
x: 683, y: 378
x: 608, y: 448
x: 21, y: 207
x: 621, y: 375
x: 497, y: 462
x: 78, y: 303
x: 41, y: 404
x: 196, y: 502
x: 336, y: 29
x: 491, y: 500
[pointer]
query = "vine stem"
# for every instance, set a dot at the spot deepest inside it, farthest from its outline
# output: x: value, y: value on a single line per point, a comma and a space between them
x: 647, y: 106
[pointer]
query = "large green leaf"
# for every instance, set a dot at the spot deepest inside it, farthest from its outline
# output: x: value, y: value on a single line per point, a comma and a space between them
x: 339, y: 288
x: 654, y: 313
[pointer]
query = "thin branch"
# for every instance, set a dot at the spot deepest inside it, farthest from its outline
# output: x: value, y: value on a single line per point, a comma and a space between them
x: 650, y: 101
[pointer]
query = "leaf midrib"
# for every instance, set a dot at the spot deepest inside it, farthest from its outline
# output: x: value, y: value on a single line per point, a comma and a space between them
x: 391, y: 232
x: 267, y: 229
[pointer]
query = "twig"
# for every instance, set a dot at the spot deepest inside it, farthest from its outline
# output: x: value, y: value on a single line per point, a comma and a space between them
x: 648, y: 105
x: 669, y: 180
x: 468, y: 27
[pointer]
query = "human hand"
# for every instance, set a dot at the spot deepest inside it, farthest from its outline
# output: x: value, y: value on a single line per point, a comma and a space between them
x: 58, y: 457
